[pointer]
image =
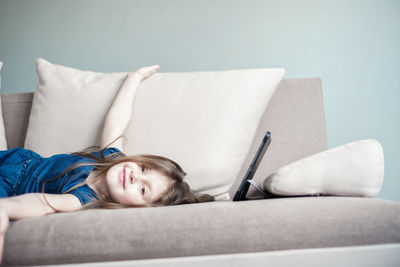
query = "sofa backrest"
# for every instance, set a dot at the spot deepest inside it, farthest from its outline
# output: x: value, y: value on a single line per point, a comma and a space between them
x: 17, y: 109
x: 295, y: 117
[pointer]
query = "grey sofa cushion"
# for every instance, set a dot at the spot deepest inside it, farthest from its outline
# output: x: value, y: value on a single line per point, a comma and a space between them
x: 202, y: 229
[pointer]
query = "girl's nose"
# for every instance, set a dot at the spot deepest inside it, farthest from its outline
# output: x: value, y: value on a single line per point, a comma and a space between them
x: 134, y: 175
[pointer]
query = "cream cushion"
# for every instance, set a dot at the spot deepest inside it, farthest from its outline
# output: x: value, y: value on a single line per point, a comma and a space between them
x: 205, y: 121
x: 68, y: 108
x: 3, y: 140
x: 354, y: 169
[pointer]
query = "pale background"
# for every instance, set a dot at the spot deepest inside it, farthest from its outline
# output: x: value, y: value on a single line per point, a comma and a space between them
x: 353, y: 45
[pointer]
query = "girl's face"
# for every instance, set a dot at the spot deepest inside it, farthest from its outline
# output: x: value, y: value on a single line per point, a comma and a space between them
x: 136, y: 185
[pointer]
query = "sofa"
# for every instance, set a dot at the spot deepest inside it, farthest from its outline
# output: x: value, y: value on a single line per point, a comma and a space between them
x: 279, y: 231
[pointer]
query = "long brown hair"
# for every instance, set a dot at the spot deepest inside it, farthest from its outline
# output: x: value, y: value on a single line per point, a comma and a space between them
x: 178, y: 193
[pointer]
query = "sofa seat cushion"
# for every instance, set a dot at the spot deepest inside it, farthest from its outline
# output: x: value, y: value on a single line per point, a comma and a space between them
x: 202, y: 229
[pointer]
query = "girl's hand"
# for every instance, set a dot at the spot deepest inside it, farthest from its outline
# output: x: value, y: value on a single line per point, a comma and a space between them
x: 144, y: 72
x: 4, y: 222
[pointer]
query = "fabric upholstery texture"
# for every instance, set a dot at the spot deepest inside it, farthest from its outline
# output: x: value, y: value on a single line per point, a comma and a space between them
x: 203, y: 229
x: 353, y: 169
x: 205, y: 121
x: 3, y: 140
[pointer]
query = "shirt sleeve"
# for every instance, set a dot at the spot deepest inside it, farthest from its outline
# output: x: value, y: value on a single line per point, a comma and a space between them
x: 84, y: 193
x: 111, y: 150
x: 107, y: 151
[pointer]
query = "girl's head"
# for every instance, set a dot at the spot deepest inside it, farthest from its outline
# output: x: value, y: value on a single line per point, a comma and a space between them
x: 148, y: 180
x: 138, y: 181
x: 136, y: 184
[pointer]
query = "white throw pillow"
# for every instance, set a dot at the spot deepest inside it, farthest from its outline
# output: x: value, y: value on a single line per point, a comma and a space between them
x: 68, y: 108
x: 205, y: 121
x: 354, y: 169
x: 3, y: 140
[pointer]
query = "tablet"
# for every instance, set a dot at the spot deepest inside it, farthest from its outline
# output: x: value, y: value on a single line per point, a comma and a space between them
x: 244, y: 186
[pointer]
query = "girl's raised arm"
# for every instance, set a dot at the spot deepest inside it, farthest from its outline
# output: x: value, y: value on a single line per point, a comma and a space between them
x: 120, y: 112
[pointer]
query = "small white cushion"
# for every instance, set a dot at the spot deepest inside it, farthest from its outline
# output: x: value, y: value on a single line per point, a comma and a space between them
x: 205, y: 121
x: 354, y: 169
x: 3, y: 141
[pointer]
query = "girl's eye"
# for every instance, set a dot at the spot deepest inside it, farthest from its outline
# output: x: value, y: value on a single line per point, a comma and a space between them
x: 143, y: 189
x: 143, y: 168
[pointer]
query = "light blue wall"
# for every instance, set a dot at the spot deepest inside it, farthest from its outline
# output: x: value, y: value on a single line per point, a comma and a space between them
x: 353, y: 45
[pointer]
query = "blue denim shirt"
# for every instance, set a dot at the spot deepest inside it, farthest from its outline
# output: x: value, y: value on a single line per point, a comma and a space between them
x: 22, y: 171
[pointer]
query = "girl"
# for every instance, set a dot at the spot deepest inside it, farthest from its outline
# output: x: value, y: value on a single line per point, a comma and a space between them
x: 34, y: 186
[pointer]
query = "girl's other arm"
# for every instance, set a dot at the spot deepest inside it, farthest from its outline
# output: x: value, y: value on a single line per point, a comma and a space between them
x: 34, y: 204
x: 119, y: 115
